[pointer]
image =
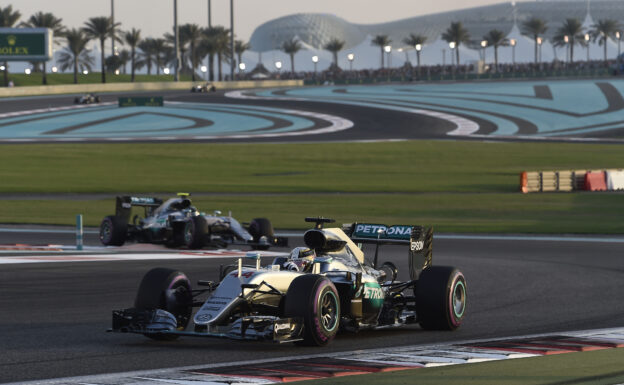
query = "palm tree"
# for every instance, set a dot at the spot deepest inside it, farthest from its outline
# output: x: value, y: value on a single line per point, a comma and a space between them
x: 496, y: 38
x: 75, y: 54
x: 220, y: 44
x: 147, y: 54
x: 413, y: 40
x: 192, y: 34
x: 132, y: 38
x: 602, y: 31
x: 572, y: 29
x: 208, y: 47
x: 381, y: 41
x: 334, y: 46
x: 182, y: 43
x: 45, y: 20
x: 535, y: 28
x: 159, y: 47
x: 239, y: 48
x: 7, y: 19
x: 457, y: 34
x: 291, y: 47
x: 101, y: 28
x: 124, y: 58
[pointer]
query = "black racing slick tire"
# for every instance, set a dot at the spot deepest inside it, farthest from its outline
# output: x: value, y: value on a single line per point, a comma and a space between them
x: 261, y: 227
x: 440, y: 298
x: 195, y: 232
x: 168, y: 290
x: 113, y: 231
x: 315, y: 299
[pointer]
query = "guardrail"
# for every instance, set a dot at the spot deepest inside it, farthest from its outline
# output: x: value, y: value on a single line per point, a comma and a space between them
x: 140, y: 87
x: 576, y: 180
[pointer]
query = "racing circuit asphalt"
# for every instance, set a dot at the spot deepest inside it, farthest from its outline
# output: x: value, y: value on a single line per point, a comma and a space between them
x: 369, y: 123
x: 54, y: 315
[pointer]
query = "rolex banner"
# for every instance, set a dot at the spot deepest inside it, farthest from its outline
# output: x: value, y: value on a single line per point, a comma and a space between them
x: 25, y: 44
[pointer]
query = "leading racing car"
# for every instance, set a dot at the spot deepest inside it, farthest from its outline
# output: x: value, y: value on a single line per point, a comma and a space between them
x: 176, y: 222
x: 307, y: 296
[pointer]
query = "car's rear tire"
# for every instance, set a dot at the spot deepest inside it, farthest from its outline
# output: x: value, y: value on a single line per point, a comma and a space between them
x: 113, y: 231
x: 195, y: 232
x: 315, y: 299
x: 169, y: 290
x: 258, y: 228
x: 440, y: 298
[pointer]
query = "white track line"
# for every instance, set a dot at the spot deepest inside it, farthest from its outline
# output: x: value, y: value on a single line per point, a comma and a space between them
x: 413, y: 356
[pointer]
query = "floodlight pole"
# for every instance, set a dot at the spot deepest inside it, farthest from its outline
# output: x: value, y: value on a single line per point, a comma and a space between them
x: 112, y: 27
x: 232, y: 39
x: 209, y: 15
x: 176, y: 76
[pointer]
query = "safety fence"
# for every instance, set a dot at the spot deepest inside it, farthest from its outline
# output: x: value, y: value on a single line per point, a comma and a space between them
x: 577, y: 180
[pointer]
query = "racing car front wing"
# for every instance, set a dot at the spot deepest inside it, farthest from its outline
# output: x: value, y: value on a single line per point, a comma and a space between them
x: 159, y: 322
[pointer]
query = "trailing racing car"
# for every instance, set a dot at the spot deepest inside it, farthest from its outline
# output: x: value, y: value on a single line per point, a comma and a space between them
x: 307, y: 296
x: 87, y: 99
x: 205, y: 87
x: 176, y: 222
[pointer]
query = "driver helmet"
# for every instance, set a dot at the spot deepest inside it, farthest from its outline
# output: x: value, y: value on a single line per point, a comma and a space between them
x: 302, y: 253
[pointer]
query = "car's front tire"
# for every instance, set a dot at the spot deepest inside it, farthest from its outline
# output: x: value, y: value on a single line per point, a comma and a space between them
x: 195, y: 232
x: 315, y: 299
x: 169, y: 290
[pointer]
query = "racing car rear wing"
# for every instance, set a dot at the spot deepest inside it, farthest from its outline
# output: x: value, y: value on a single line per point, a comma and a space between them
x: 419, y: 239
x: 123, y: 206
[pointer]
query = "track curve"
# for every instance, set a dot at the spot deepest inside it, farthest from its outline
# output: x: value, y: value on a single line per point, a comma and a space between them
x: 55, y: 315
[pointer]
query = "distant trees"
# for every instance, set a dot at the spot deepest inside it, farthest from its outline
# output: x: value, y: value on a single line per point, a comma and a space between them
x: 569, y: 34
x: 8, y: 18
x: 496, y: 38
x: 381, y: 41
x: 457, y: 34
x: 334, y: 46
x: 101, y: 28
x: 132, y: 38
x: 45, y: 20
x: 291, y: 47
x: 535, y: 28
x: 602, y: 31
x: 414, y: 40
x: 75, y: 54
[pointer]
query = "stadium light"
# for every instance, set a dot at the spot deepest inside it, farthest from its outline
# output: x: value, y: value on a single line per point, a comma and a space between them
x: 2, y: 68
x: 27, y: 71
x: 350, y: 57
x: 278, y: 65
x: 315, y: 60
x: 54, y: 69
x: 166, y: 71
x: 539, y: 43
x: 418, y: 49
x: 587, y: 44
x: 388, y: 49
x: 618, y: 35
x: 513, y: 42
x: 85, y: 72
x: 483, y: 45
x: 242, y: 66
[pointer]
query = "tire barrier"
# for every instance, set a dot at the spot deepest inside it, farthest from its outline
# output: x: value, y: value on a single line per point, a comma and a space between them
x: 578, y: 180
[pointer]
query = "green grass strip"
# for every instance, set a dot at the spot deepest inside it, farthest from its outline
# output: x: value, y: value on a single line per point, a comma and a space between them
x: 455, y: 186
x: 596, y: 367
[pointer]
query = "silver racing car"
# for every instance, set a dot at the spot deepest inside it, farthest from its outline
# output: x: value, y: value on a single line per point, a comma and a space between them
x: 176, y: 222
x: 307, y: 296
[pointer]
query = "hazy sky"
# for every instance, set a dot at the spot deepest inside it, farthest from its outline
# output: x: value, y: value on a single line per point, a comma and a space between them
x: 155, y: 17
